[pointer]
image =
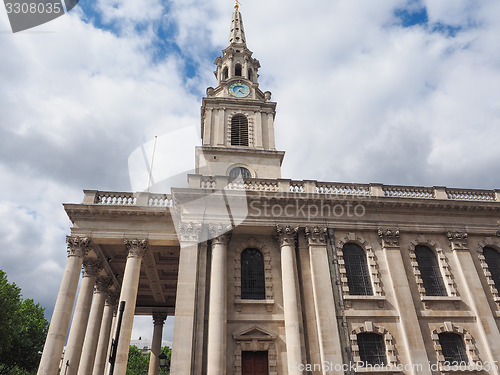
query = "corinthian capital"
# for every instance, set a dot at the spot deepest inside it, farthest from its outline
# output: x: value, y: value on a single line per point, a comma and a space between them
x: 286, y: 234
x: 220, y: 233
x: 78, y: 246
x: 316, y: 235
x: 189, y: 232
x: 159, y: 318
x: 135, y: 247
x: 92, y: 267
x: 458, y: 240
x: 102, y: 284
x: 389, y: 236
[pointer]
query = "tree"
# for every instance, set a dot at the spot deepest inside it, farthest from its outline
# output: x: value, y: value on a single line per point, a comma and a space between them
x: 23, y: 329
x: 138, y: 364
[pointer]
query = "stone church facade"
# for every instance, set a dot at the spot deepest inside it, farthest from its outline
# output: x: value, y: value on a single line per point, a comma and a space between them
x: 267, y: 275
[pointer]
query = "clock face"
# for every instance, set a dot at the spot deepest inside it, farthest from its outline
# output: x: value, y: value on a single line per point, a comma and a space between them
x: 239, y: 90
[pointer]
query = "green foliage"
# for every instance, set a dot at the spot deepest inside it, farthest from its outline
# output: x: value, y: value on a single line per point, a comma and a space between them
x: 23, y: 329
x: 137, y: 362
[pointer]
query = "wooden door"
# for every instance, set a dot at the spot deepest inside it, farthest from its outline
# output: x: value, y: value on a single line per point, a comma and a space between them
x: 254, y: 363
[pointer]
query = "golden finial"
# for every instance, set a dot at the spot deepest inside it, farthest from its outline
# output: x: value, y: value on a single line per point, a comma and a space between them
x: 237, y: 5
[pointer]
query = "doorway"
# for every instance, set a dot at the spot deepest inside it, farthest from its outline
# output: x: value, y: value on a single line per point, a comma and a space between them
x: 254, y: 363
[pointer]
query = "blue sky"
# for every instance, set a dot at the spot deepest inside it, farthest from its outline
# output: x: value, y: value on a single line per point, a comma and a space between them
x: 392, y: 91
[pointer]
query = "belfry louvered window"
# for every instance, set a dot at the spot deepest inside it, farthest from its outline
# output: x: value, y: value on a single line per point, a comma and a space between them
x: 453, y: 349
x: 239, y: 131
x: 358, y: 276
x: 371, y: 348
x: 253, y: 281
x: 492, y: 259
x: 429, y: 271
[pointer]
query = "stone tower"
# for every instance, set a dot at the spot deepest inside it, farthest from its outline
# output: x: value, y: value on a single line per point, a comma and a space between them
x: 237, y: 118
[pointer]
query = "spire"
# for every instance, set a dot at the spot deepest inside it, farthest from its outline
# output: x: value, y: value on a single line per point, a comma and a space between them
x: 237, y: 34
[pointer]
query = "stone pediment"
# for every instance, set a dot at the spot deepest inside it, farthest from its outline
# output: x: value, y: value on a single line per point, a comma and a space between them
x: 254, y: 333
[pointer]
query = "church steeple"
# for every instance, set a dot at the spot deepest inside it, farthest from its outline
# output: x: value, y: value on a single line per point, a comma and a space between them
x: 237, y: 34
x: 237, y: 118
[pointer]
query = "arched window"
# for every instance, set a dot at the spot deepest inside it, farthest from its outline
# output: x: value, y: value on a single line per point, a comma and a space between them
x: 453, y: 349
x: 358, y: 276
x: 492, y: 259
x: 225, y: 73
x: 371, y: 349
x: 240, y: 172
x: 253, y: 282
x: 237, y: 70
x: 429, y: 271
x: 250, y: 74
x: 239, y: 131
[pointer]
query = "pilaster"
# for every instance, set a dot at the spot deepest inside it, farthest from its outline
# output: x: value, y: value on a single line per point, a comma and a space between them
x: 410, y: 329
x: 185, y: 304
x: 324, y: 304
x: 476, y: 296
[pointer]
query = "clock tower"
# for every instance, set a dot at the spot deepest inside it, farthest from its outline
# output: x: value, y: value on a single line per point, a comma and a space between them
x: 237, y: 118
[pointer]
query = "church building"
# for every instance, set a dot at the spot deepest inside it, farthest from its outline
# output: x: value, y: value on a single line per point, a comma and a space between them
x: 266, y: 275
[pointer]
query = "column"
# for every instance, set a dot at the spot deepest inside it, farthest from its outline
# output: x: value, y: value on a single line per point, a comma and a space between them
x: 52, y: 351
x: 135, y: 249
x: 94, y: 326
x: 287, y: 237
x: 413, y: 341
x: 101, y: 357
x: 154, y: 360
x: 81, y: 316
x: 217, y: 308
x: 185, y: 302
x: 476, y: 298
x: 329, y: 339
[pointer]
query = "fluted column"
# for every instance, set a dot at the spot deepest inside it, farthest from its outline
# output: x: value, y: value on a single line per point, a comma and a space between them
x: 81, y: 316
x: 330, y: 349
x: 185, y: 300
x: 217, y: 310
x: 101, y: 356
x: 154, y: 360
x: 135, y: 249
x: 287, y: 237
x: 94, y: 326
x: 59, y: 324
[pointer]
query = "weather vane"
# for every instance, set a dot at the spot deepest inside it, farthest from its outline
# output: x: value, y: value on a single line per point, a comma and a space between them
x: 237, y: 5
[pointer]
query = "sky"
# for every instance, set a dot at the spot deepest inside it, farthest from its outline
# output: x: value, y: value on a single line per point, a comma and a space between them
x: 399, y: 92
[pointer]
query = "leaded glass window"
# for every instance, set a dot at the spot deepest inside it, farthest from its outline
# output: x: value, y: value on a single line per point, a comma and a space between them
x: 371, y: 349
x: 453, y: 349
x: 429, y: 271
x: 253, y: 281
x: 492, y: 259
x: 239, y: 131
x: 358, y: 276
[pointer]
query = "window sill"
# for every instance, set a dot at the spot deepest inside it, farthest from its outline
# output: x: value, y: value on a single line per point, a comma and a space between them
x: 428, y: 300
x: 348, y: 299
x: 269, y: 303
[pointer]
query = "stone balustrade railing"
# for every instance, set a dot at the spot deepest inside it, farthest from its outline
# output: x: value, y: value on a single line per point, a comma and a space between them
x: 127, y: 199
x: 290, y: 186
